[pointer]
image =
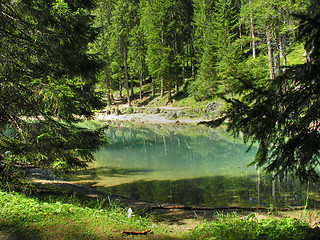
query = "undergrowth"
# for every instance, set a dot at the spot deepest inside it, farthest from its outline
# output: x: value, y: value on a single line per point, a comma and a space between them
x: 231, y: 227
x: 32, y: 218
x: 69, y: 216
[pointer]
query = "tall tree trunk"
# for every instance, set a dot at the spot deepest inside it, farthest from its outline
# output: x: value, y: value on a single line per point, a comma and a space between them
x: 131, y: 85
x: 276, y: 54
x: 120, y: 86
x: 184, y: 67
x: 108, y: 90
x: 153, y: 88
x: 283, y: 52
x: 252, y: 37
x: 254, y: 55
x: 140, y: 81
x: 161, y: 87
x: 187, y: 65
x: 192, y: 61
x: 176, y: 87
x: 169, y: 91
x: 270, y: 57
x: 126, y: 76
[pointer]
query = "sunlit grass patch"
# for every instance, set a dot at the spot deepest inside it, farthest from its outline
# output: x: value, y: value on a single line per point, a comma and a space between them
x: 39, y: 219
x: 232, y: 227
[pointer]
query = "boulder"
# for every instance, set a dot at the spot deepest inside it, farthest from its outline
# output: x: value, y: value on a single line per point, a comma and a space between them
x: 213, y: 107
x: 180, y: 113
x: 171, y: 115
x: 156, y: 110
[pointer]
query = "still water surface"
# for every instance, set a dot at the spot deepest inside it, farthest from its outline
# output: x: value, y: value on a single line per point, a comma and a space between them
x: 192, y: 165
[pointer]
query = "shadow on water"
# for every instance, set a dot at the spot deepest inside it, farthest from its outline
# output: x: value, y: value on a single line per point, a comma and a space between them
x: 213, y: 191
x: 96, y: 173
x: 188, y: 165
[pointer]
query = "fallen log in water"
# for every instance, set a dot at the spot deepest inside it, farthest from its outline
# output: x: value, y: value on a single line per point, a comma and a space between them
x: 225, y: 208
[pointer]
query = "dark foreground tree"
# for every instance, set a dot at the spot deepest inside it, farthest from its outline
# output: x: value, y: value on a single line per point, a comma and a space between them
x: 283, y: 114
x: 47, y: 83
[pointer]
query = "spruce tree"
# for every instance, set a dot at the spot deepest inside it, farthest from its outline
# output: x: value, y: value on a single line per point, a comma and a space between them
x: 282, y: 115
x: 47, y: 83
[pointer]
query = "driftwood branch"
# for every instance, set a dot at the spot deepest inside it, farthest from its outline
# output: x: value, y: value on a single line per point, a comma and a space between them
x: 136, y: 232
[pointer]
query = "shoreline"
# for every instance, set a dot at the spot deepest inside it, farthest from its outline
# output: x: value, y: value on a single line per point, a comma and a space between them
x: 156, y: 115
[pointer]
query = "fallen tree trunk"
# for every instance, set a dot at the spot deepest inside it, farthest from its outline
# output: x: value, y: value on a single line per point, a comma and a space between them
x: 225, y: 208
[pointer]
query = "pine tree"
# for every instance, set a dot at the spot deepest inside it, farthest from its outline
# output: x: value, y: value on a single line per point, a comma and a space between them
x: 219, y: 53
x: 121, y: 24
x: 282, y: 115
x: 47, y: 83
x: 159, y: 25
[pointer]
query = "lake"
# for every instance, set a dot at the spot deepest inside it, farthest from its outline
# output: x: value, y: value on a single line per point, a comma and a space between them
x: 191, y: 165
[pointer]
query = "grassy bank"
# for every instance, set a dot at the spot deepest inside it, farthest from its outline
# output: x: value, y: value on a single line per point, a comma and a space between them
x: 73, y: 217
x: 68, y: 218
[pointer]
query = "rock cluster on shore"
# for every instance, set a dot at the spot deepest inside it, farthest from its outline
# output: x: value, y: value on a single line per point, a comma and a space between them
x: 160, y: 115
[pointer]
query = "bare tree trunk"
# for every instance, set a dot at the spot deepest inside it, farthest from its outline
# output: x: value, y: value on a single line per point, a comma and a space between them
x: 109, y: 91
x: 183, y: 65
x: 120, y: 87
x: 131, y: 85
x: 252, y: 36
x: 140, y: 81
x: 153, y: 88
x: 161, y: 88
x: 253, y: 39
x: 192, y: 61
x: 126, y: 76
x: 270, y: 56
x: 108, y: 88
x: 169, y: 90
x: 176, y: 87
x: 283, y: 52
x: 276, y: 54
x: 240, y: 36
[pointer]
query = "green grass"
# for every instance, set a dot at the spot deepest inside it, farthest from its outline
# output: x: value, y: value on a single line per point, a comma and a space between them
x: 63, y: 216
x: 231, y: 227
x: 31, y: 218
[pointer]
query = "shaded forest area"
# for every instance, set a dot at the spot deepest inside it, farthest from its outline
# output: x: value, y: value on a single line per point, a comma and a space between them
x: 194, y: 48
x: 262, y: 56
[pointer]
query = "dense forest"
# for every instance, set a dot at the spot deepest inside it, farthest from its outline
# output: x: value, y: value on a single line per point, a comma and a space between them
x: 195, y: 46
x: 260, y: 56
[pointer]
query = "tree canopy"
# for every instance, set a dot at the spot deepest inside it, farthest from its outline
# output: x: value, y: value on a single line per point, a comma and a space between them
x: 282, y: 115
x: 47, y: 83
x: 54, y: 52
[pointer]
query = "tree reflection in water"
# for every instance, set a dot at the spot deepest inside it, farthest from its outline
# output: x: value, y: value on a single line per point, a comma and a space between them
x: 191, y: 165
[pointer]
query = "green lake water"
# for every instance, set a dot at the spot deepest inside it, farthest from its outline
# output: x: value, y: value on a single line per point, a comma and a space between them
x: 192, y: 165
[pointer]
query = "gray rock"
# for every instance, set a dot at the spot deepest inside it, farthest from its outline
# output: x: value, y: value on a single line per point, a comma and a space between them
x: 149, y: 111
x: 156, y: 110
x: 213, y: 107
x: 171, y: 115
x: 180, y: 113
x: 196, y: 110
